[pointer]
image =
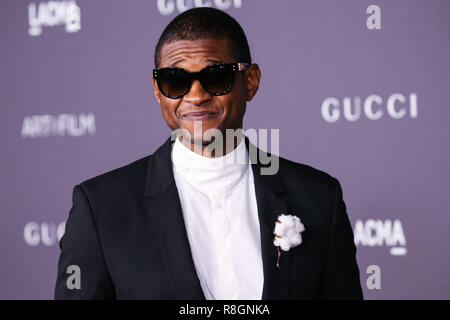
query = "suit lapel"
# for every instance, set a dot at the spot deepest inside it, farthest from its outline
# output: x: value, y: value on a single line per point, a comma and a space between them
x: 269, y: 190
x: 166, y: 213
x: 167, y: 217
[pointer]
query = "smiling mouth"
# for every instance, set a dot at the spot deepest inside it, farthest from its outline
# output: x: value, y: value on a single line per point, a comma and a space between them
x: 199, y: 116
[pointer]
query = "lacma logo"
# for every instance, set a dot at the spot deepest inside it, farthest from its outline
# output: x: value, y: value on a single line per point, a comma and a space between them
x: 53, y: 13
x: 381, y: 233
x: 167, y: 7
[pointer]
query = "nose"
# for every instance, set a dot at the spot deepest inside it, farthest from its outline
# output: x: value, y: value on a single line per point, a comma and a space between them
x: 197, y: 95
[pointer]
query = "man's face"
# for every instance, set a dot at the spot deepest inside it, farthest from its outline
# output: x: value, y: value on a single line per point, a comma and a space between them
x: 213, y: 112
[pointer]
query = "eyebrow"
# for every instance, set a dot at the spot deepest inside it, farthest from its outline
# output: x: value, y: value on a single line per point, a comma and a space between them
x: 174, y: 64
x: 214, y: 61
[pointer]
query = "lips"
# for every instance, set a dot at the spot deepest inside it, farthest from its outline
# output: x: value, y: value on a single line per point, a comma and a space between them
x: 199, y: 115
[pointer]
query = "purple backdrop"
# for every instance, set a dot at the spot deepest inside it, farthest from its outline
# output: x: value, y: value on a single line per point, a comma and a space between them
x: 358, y: 91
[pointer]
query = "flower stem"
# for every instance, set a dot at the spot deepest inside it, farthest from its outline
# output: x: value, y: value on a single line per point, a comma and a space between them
x: 278, y: 259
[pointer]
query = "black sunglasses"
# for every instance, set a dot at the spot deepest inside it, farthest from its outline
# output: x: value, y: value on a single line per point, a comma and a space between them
x: 216, y: 79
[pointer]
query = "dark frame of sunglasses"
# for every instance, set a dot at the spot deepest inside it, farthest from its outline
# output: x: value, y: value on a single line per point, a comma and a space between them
x: 191, y: 76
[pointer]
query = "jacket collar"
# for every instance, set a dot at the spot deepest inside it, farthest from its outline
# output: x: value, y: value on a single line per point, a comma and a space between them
x: 165, y: 210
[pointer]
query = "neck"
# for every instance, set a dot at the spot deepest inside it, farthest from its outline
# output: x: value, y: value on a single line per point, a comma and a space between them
x: 212, y: 149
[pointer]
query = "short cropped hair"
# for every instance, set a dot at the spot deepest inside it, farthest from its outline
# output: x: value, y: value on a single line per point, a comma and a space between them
x: 203, y: 23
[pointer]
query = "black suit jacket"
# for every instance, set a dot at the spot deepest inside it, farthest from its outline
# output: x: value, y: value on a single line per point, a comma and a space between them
x: 126, y: 233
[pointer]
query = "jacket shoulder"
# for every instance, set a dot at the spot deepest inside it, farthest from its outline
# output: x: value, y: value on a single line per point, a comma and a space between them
x: 128, y: 177
x: 303, y: 176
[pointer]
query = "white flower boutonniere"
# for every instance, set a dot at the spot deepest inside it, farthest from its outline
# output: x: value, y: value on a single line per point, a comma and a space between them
x: 287, y: 233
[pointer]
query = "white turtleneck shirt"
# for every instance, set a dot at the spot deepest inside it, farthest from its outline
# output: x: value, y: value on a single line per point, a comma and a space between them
x: 220, y: 212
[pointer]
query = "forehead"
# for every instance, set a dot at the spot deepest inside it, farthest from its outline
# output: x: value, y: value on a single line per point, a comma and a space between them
x: 195, y: 52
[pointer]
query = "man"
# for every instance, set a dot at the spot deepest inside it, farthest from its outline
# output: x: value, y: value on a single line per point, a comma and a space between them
x: 188, y: 222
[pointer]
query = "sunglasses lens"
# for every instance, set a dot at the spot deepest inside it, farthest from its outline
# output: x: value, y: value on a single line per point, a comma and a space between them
x: 217, y: 80
x: 173, y: 82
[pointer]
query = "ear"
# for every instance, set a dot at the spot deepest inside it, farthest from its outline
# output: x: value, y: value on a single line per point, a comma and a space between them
x: 157, y: 92
x: 252, y: 78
